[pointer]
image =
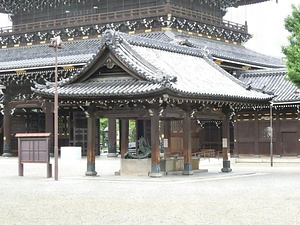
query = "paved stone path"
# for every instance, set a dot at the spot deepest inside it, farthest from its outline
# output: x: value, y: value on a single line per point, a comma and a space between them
x: 254, y: 193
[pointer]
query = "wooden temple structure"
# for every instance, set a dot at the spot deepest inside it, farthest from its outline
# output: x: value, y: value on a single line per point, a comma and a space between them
x: 283, y: 111
x: 170, y: 66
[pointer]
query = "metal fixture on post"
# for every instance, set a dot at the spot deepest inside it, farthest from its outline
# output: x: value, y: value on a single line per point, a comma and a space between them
x: 56, y: 43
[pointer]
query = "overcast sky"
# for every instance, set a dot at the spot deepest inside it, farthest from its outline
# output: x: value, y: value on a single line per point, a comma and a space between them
x: 265, y: 23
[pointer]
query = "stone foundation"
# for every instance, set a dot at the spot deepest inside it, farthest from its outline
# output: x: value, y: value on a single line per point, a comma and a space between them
x: 135, y: 167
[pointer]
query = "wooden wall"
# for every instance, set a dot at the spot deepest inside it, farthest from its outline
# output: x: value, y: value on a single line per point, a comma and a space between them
x: 251, y: 136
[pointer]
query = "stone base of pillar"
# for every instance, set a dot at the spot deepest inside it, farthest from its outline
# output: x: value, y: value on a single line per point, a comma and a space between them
x: 188, y: 169
x: 91, y: 170
x: 7, y: 154
x: 90, y: 173
x: 226, y: 167
x: 155, y: 171
x: 155, y: 175
x: 188, y: 172
x: 112, y: 154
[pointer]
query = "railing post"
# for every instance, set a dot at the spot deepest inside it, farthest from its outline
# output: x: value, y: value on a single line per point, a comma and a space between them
x: 168, y: 7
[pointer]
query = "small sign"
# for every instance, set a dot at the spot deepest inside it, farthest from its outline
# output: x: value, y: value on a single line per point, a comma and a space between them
x: 165, y: 143
x: 224, y: 142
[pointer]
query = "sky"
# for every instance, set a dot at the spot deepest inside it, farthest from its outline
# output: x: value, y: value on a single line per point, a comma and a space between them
x: 265, y: 24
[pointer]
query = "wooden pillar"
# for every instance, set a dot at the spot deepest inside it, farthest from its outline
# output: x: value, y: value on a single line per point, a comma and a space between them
x: 168, y: 7
x: 124, y: 136
x: 6, y: 126
x: 112, y: 138
x: 167, y: 138
x: 49, y: 126
x: 256, y: 133
x: 277, y: 133
x: 236, y: 137
x: 298, y: 130
x: 155, y: 153
x: 187, y: 145
x: 91, y: 151
x: 226, y: 144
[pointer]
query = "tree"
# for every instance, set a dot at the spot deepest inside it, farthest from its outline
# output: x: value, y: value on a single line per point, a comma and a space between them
x: 292, y: 51
x: 103, y: 125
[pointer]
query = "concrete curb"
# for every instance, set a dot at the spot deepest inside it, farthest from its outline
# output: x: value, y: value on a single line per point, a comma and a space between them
x: 268, y: 160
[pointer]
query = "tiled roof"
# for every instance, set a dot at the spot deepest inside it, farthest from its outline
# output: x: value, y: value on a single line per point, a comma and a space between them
x: 219, y: 49
x: 106, y: 88
x: 80, y: 51
x: 42, y: 55
x: 182, y: 70
x: 272, y: 80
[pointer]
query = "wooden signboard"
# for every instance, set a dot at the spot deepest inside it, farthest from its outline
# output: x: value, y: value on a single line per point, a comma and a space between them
x: 33, y: 148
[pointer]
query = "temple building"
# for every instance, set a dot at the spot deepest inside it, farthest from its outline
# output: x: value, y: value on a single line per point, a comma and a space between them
x: 283, y: 111
x: 171, y: 67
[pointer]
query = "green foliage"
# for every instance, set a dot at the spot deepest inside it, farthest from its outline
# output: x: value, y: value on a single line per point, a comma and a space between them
x: 132, y: 130
x: 292, y: 51
x: 103, y: 125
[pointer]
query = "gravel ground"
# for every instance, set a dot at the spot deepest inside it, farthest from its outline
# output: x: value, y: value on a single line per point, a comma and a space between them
x: 253, y: 193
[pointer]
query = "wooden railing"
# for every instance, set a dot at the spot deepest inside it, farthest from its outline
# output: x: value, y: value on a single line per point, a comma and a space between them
x: 206, y: 18
x: 123, y: 15
x: 83, y: 20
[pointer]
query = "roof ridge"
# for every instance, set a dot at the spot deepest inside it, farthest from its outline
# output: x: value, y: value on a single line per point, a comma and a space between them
x: 265, y: 72
x: 162, y: 45
x: 146, y: 70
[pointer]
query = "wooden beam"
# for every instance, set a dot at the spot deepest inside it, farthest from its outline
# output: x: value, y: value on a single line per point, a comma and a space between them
x: 136, y: 113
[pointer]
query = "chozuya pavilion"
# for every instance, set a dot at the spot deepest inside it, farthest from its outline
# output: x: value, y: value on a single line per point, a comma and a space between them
x: 136, y: 78
x: 166, y: 75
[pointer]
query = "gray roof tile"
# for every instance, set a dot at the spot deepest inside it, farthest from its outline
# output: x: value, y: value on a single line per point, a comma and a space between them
x: 81, y: 50
x: 42, y: 55
x: 272, y: 80
x: 219, y: 49
x: 105, y: 88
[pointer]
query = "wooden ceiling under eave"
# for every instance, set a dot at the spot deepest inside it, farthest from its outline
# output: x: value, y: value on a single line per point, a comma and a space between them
x: 248, y: 2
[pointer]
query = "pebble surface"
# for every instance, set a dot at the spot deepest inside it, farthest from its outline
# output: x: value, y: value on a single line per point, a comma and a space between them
x: 253, y: 193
